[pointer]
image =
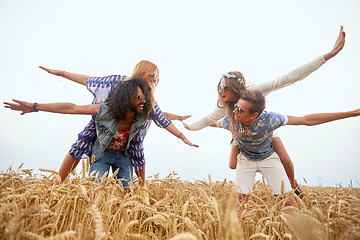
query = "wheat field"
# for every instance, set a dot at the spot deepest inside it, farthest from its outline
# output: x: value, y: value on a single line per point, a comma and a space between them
x: 32, y: 208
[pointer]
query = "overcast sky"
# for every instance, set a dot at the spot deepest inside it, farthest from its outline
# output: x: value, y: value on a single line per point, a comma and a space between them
x: 192, y: 43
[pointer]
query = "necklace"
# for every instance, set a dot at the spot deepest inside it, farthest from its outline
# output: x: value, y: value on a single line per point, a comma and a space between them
x: 240, y: 127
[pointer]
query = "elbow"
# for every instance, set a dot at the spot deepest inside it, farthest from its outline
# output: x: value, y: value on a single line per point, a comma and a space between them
x: 310, y: 123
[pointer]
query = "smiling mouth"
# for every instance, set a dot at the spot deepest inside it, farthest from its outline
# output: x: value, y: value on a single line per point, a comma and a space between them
x: 140, y: 106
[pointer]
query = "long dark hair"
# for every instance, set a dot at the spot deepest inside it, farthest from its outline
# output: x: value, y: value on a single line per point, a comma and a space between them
x: 123, y: 97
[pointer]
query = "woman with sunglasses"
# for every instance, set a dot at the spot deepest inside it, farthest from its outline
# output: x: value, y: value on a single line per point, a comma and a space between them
x: 101, y: 87
x: 233, y: 83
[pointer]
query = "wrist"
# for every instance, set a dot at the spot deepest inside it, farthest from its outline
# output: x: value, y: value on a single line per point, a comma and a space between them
x: 61, y: 73
x: 34, y: 108
x: 179, y: 135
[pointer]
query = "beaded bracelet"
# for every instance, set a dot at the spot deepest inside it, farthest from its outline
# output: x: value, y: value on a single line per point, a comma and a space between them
x: 33, y: 108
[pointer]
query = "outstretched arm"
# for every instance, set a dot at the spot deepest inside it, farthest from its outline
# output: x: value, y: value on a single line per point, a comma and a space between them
x: 320, y: 118
x: 64, y: 108
x: 75, y: 77
x: 217, y: 114
x: 303, y: 71
x: 176, y: 132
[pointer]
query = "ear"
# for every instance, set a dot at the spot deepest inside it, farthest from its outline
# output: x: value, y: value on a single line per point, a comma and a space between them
x: 254, y: 115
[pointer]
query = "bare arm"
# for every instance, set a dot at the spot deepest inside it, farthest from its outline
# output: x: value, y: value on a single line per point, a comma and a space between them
x: 172, y: 116
x: 319, y: 118
x: 64, y: 108
x: 75, y: 77
x: 176, y: 132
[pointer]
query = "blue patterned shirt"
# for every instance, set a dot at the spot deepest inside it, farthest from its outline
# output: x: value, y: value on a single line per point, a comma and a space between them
x: 255, y: 141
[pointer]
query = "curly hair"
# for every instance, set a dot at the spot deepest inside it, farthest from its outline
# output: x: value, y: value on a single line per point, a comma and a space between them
x: 122, y: 98
x: 143, y: 69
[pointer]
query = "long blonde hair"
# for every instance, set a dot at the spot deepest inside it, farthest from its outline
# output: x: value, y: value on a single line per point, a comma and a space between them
x: 143, y: 69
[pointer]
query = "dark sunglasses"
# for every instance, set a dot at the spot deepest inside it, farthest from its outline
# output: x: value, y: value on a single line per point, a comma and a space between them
x: 155, y: 76
x: 223, y: 88
x: 239, y: 110
x: 140, y: 97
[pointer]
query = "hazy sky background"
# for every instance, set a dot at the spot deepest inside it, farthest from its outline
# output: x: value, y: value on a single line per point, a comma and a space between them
x: 192, y: 43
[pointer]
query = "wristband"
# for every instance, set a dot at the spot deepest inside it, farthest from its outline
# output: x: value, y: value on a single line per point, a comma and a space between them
x: 33, y: 108
x: 179, y: 135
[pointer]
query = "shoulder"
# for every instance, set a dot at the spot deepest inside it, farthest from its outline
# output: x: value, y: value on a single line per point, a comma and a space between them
x: 274, y: 117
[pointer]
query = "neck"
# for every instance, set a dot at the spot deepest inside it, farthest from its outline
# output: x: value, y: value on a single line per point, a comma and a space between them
x: 249, y: 123
x: 130, y: 116
x: 127, y: 122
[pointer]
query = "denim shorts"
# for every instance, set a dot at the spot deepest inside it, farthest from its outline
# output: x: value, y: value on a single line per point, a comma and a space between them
x: 115, y: 160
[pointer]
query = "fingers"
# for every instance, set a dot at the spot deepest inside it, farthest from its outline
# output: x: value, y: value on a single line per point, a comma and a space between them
x: 9, y: 105
x: 186, y: 126
x: 44, y: 68
x: 193, y: 145
x: 26, y: 104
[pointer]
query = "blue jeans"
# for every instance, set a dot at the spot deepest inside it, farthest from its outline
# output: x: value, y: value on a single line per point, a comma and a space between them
x: 115, y: 160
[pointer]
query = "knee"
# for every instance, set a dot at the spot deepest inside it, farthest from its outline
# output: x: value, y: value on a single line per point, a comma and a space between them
x: 232, y: 165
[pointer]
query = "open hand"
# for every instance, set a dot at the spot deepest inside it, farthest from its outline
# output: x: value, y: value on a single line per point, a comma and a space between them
x: 339, y: 44
x: 189, y: 143
x: 186, y: 126
x: 182, y: 118
x: 25, y: 107
x: 52, y: 71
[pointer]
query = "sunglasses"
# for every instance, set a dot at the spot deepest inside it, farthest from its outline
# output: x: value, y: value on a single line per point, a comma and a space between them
x: 239, y: 110
x: 155, y: 76
x: 140, y: 97
x: 223, y: 88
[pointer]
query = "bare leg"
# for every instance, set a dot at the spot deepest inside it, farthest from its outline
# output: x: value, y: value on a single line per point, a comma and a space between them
x: 285, y: 160
x: 67, y: 166
x: 234, y: 151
